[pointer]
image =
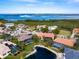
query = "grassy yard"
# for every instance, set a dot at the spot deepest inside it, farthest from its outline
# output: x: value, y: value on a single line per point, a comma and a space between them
x: 65, y: 32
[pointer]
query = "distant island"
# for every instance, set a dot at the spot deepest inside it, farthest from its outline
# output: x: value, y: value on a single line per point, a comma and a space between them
x: 15, y: 17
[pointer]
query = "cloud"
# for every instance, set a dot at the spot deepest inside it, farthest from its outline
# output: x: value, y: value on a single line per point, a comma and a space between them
x: 73, y: 1
x: 35, y: 9
x: 48, y: 3
x: 31, y: 1
x: 37, y: 6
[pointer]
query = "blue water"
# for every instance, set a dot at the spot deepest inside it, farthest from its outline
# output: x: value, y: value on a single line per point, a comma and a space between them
x: 38, y: 16
x: 42, y: 53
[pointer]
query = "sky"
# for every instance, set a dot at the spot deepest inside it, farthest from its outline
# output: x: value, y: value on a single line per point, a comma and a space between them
x: 39, y: 6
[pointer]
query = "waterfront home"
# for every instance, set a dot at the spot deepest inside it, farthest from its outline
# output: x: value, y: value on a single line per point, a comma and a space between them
x: 66, y: 42
x: 26, y: 38
x: 14, y: 49
x: 50, y: 28
x: 8, y: 42
x: 47, y: 35
x: 7, y: 25
x: 4, y: 51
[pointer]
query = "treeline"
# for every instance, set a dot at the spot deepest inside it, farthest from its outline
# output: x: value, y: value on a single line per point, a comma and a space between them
x: 66, y: 24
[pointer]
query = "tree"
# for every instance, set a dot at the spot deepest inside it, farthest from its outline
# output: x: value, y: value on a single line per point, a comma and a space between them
x: 56, y: 31
x: 77, y: 44
x: 13, y: 28
x: 44, y: 29
x: 35, y: 39
x: 6, y: 37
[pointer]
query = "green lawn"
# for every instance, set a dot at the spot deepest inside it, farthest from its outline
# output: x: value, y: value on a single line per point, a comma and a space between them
x: 65, y: 32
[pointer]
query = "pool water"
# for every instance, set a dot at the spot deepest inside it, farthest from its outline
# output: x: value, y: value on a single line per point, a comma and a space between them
x: 42, y: 53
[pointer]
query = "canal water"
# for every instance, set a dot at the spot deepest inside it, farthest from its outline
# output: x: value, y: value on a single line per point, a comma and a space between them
x: 42, y: 53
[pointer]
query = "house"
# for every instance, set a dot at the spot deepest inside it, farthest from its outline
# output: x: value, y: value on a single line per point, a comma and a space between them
x: 76, y: 30
x: 24, y: 37
x: 14, y: 49
x: 7, y: 25
x: 21, y: 26
x: 7, y: 47
x: 7, y: 31
x: 66, y: 42
x: 15, y: 33
x: 1, y: 27
x: 8, y: 42
x: 47, y: 35
x: 4, y: 51
x: 50, y: 28
x: 75, y: 33
x: 41, y: 26
x: 31, y: 28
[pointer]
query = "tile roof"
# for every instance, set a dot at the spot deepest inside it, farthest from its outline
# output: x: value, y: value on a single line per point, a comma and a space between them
x: 8, y: 42
x: 76, y: 30
x: 68, y: 42
x: 3, y: 49
x: 23, y: 37
x: 45, y: 35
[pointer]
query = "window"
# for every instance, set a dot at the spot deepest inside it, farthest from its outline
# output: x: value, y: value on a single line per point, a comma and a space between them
x: 4, y: 54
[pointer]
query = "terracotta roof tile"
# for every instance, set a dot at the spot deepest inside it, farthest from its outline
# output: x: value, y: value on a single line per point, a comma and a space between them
x: 68, y: 42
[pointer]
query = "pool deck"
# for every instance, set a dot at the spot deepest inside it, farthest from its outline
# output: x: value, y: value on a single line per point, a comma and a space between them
x: 59, y: 55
